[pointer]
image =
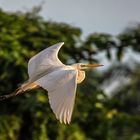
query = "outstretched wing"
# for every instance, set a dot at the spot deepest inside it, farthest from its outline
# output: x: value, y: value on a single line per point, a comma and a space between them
x: 45, y: 60
x: 61, y: 86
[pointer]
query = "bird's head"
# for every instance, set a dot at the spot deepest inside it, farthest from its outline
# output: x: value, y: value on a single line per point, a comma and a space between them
x: 81, y: 66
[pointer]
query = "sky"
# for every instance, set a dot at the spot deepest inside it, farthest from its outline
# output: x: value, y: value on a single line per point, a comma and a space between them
x: 109, y: 16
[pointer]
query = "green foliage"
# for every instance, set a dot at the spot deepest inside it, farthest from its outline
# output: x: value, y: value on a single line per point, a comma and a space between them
x: 95, y: 117
x: 99, y: 42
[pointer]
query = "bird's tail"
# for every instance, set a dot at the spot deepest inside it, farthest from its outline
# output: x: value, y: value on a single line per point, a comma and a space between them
x: 20, y: 90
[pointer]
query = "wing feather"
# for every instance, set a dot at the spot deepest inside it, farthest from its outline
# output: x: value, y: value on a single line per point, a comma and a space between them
x: 61, y: 86
x: 45, y: 60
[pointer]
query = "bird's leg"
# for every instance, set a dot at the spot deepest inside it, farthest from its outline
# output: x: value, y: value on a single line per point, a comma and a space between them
x: 29, y: 86
x: 34, y: 86
x: 20, y: 90
x: 15, y: 93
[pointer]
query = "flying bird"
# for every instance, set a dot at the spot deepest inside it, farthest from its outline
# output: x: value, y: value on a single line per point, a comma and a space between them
x: 47, y: 71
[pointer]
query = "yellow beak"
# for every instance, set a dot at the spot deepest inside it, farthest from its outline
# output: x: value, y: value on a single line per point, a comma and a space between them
x: 91, y: 65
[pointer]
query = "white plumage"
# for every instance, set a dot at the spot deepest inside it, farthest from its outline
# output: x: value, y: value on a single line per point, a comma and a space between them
x: 47, y: 71
x: 61, y: 92
x: 59, y: 80
x: 45, y: 60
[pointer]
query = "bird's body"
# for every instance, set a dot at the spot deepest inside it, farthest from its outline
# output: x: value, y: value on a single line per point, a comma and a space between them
x: 47, y: 71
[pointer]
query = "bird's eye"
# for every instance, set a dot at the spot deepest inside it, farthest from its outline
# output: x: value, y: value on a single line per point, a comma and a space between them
x: 82, y: 65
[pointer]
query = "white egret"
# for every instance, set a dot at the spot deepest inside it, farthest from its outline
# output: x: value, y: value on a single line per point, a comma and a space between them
x: 47, y: 71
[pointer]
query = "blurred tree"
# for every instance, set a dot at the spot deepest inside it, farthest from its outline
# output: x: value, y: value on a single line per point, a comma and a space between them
x: 95, y: 117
